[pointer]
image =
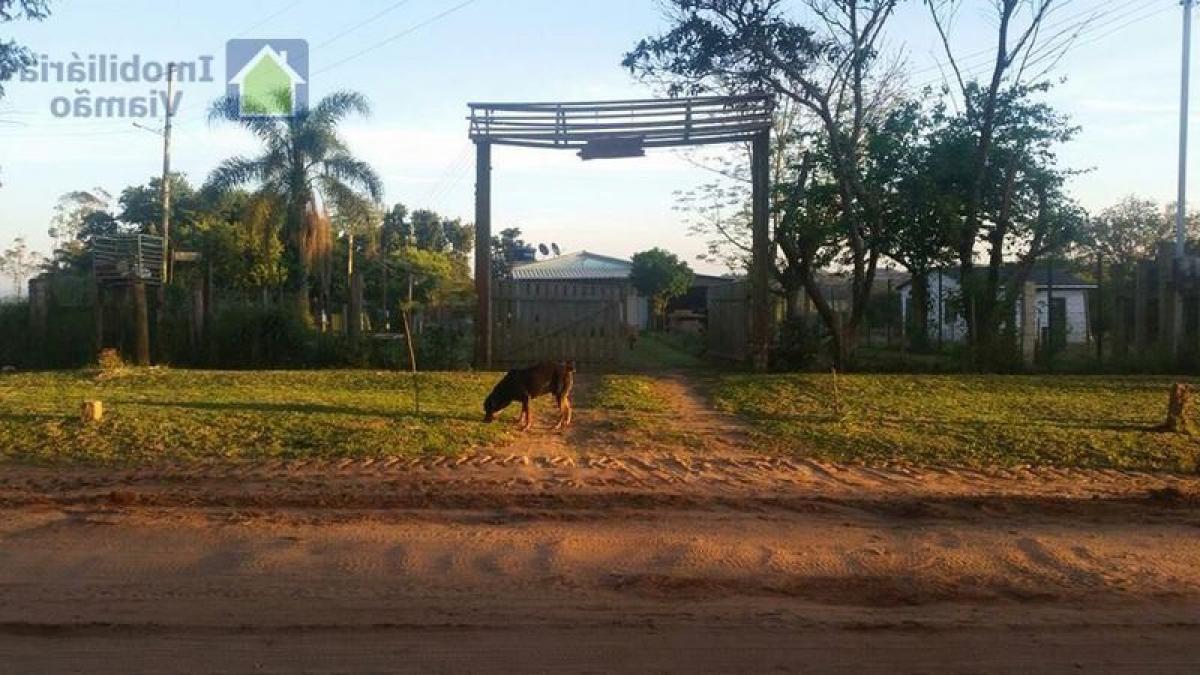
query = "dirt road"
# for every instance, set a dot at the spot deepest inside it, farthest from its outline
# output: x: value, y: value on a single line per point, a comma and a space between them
x: 584, y: 553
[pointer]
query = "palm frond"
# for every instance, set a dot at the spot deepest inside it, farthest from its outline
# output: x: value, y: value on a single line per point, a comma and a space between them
x: 355, y: 173
x: 334, y: 107
x: 236, y: 172
x: 228, y: 109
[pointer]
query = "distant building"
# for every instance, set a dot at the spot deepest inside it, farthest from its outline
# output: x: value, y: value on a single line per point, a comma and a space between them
x: 1060, y: 292
x: 587, y: 267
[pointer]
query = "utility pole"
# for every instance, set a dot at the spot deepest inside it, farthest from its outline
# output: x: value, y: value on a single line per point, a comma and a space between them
x: 168, y: 263
x: 1175, y: 325
x: 1181, y: 202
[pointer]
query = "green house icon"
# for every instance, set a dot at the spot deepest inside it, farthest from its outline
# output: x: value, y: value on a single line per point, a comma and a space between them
x: 267, y: 85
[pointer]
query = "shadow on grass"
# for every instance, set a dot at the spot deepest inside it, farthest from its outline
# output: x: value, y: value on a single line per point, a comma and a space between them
x: 303, y: 408
x: 35, y: 417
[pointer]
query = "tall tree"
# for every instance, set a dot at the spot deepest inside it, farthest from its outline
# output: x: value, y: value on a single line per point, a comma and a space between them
x: 1127, y: 231
x: 830, y: 68
x: 18, y: 263
x: 509, y: 250
x: 141, y: 206
x: 660, y: 276
x: 994, y: 112
x: 307, y: 165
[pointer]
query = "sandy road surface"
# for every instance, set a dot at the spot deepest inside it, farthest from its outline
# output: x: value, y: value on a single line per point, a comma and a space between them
x: 586, y: 554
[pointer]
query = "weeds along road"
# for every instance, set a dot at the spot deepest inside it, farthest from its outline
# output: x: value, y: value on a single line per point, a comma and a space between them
x: 573, y: 563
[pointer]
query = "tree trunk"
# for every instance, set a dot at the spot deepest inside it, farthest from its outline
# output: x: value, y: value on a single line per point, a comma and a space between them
x: 795, y: 302
x: 918, y: 301
x: 354, y: 318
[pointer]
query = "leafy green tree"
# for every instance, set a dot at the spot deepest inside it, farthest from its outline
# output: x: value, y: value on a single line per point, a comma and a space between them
x: 238, y: 234
x: 1127, y: 231
x: 307, y: 166
x: 1022, y: 214
x: 141, y: 206
x: 827, y: 64
x: 509, y: 250
x: 425, y: 257
x: 1009, y: 183
x: 14, y: 57
x: 660, y: 276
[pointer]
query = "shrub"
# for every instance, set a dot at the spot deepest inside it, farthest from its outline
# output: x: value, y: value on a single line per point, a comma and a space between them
x: 799, y: 344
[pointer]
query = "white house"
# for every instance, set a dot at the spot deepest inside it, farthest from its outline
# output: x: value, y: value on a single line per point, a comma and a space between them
x: 1064, y: 291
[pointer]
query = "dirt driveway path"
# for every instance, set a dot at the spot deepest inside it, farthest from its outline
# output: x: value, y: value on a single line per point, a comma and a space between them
x: 580, y: 553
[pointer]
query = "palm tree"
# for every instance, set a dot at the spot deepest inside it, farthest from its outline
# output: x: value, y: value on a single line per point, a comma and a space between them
x: 307, y: 166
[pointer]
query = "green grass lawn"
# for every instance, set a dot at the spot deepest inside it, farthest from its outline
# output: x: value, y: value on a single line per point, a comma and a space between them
x: 1089, y: 421
x: 188, y: 414
x: 628, y: 393
x: 656, y: 351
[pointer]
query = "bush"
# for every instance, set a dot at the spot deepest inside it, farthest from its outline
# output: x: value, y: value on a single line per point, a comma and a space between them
x: 247, y: 336
x: 799, y: 345
x: 443, y: 348
x: 14, y: 334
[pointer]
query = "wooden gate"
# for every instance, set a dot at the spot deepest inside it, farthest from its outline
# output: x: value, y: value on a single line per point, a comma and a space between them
x: 556, y: 320
x: 728, y: 332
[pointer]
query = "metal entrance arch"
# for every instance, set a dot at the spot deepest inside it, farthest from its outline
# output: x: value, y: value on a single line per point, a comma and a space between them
x: 611, y: 129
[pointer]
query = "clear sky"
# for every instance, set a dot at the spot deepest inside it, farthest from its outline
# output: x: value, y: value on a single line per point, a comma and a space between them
x: 420, y: 69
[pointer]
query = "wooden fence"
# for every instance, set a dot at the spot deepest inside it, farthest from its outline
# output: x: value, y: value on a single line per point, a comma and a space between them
x: 556, y: 320
x: 728, y: 332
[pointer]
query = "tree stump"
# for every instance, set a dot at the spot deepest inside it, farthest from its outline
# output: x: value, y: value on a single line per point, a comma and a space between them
x: 1179, y: 410
x: 92, y: 411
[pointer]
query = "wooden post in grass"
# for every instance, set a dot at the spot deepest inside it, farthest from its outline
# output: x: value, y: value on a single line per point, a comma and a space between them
x: 91, y: 411
x: 1179, y: 410
x: 412, y: 360
x: 1029, y: 324
x: 141, y: 324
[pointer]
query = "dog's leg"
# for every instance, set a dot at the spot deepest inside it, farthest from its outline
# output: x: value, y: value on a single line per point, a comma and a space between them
x: 561, y: 413
x: 526, y: 413
x: 567, y: 403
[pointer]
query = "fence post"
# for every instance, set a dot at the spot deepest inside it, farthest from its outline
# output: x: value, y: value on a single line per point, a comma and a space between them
x: 1141, y: 300
x: 141, y: 324
x: 1029, y: 324
x: 1120, y: 327
x: 38, y: 312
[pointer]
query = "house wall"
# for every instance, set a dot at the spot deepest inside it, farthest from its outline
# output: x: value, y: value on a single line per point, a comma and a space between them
x: 954, y: 328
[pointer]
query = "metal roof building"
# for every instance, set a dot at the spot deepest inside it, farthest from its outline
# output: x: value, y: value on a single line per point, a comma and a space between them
x: 578, y: 266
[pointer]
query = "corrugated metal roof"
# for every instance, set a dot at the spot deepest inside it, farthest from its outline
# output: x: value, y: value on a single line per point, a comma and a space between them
x: 573, y: 267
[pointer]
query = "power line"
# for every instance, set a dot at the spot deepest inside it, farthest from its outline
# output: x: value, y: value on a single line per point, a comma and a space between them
x: 397, y: 36
x: 274, y: 15
x: 1120, y: 17
x: 456, y: 165
x: 989, y: 52
x: 362, y: 23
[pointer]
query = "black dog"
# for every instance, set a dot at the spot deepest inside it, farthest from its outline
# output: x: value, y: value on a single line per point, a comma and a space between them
x: 525, y: 384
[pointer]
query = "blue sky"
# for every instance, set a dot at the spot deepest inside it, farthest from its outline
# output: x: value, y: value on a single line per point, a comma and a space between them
x: 1121, y: 87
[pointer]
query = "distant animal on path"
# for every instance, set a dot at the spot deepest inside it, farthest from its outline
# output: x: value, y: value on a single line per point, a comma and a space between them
x: 525, y: 384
